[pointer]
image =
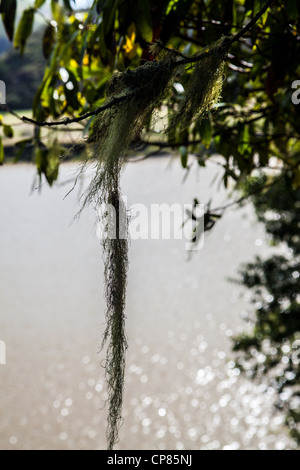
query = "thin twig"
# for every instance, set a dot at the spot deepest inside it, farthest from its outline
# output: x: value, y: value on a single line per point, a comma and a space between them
x: 4, y: 107
x: 66, y: 121
x: 252, y: 22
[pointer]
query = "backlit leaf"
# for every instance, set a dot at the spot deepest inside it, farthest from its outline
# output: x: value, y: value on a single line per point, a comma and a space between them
x: 8, y: 10
x: 1, y: 151
x: 143, y: 19
x: 24, y: 29
x: 8, y: 131
x: 39, y: 3
x: 184, y: 156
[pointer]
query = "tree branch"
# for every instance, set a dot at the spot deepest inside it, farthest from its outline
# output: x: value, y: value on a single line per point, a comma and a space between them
x: 67, y: 121
x: 5, y: 108
x: 252, y: 22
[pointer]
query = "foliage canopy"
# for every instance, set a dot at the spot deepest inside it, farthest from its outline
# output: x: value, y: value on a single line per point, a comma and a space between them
x: 271, y: 348
x: 256, y: 118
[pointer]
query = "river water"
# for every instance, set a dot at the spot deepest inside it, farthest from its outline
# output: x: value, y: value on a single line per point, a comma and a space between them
x: 182, y: 391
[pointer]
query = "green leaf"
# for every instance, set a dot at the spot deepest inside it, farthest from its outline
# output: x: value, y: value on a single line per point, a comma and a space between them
x: 53, y: 163
x: 205, y: 131
x: 57, y: 11
x: 102, y: 45
x: 48, y: 41
x: 223, y: 147
x: 71, y: 89
x: 1, y: 151
x: 263, y: 155
x: 257, y: 6
x: 83, y: 49
x: 24, y: 29
x: 184, y: 156
x: 20, y: 147
x: 49, y: 73
x: 47, y: 162
x: 234, y: 13
x: 292, y: 7
x: 244, y: 141
x: 89, y: 92
x: 39, y: 3
x: 143, y: 19
x: 100, y: 5
x: 8, y: 9
x: 8, y: 131
x: 67, y: 4
x: 109, y: 14
x: 6, y: 5
x: 41, y: 159
x: 172, y: 4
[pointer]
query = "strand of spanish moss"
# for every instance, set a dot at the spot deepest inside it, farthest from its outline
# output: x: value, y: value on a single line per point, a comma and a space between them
x: 105, y: 189
x: 116, y: 263
x: 116, y: 266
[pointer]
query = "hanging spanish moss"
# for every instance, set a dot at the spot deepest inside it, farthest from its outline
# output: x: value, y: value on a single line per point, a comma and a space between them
x: 116, y: 265
x: 112, y: 133
x: 205, y: 84
x: 134, y: 95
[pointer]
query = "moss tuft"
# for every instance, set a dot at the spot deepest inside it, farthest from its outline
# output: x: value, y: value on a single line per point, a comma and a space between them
x: 205, y: 85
